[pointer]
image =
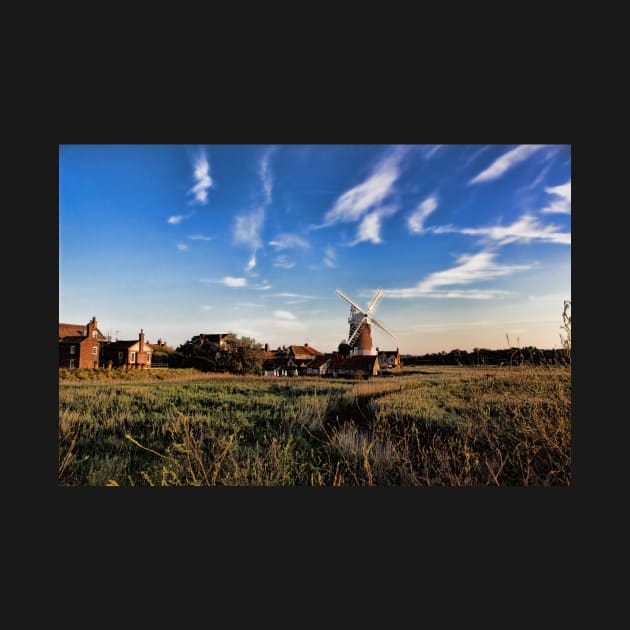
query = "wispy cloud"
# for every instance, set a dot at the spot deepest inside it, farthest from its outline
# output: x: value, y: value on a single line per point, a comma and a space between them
x: 562, y: 202
x: 182, y: 247
x: 431, y: 150
x: 206, y: 307
x: 201, y: 176
x: 265, y: 175
x: 248, y: 305
x: 251, y: 263
x: 284, y: 315
x: 473, y: 156
x: 370, y: 227
x: 354, y: 203
x: 506, y: 162
x: 247, y: 228
x: 526, y: 229
x: 289, y: 241
x: 178, y: 218
x: 288, y: 295
x: 283, y: 262
x: 469, y: 269
x: 330, y: 257
x: 541, y: 176
x: 230, y: 281
x: 200, y: 237
x: 415, y: 221
x: 265, y: 286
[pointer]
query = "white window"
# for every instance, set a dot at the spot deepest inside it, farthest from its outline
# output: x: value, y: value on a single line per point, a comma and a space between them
x: 132, y: 357
x: 94, y: 349
x: 94, y: 333
x: 73, y: 349
x: 71, y: 363
x: 120, y: 356
x: 148, y: 357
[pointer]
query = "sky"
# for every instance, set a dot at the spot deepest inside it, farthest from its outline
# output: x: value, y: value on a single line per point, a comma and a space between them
x: 471, y: 243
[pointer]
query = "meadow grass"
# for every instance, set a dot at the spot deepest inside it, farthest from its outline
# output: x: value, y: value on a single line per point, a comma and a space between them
x: 446, y: 426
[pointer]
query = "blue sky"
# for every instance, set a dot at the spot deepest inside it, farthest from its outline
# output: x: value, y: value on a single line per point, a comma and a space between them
x: 471, y: 243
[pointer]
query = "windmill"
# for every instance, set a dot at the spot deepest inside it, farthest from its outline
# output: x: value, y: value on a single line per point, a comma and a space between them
x: 359, y: 336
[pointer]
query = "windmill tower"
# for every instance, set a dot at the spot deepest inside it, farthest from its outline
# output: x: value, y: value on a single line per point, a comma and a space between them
x: 360, y: 333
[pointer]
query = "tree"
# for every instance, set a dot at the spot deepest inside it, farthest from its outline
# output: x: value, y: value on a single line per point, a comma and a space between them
x: 242, y: 355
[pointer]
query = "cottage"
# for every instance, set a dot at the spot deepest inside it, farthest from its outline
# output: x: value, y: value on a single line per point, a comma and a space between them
x: 81, y: 346
x: 319, y: 365
x: 358, y: 365
x: 302, y: 356
x: 134, y: 353
x: 389, y: 359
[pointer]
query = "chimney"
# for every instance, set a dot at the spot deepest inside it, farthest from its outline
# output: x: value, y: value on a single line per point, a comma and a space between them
x: 160, y: 342
x: 305, y: 345
x: 91, y: 326
x: 266, y: 347
x: 141, y: 339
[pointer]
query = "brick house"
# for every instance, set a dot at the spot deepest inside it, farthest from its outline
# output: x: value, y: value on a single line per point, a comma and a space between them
x: 81, y: 345
x: 389, y: 359
x: 133, y: 353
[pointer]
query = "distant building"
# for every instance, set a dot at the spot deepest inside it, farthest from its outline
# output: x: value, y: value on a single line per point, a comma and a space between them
x: 81, y: 346
x: 389, y: 359
x: 319, y: 365
x: 134, y: 353
x: 302, y: 356
x: 217, y: 339
x: 358, y: 365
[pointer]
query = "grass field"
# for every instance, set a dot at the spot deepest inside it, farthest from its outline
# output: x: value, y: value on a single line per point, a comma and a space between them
x: 444, y: 426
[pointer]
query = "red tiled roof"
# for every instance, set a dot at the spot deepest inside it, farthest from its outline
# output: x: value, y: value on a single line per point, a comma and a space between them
x: 317, y: 362
x: 76, y: 332
x: 305, y: 351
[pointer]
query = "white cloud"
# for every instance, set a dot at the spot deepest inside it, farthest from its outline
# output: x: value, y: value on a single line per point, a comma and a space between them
x: 284, y: 315
x: 199, y: 237
x: 506, y: 162
x: 182, y: 247
x: 283, y: 262
x: 526, y: 229
x: 330, y: 257
x: 230, y: 281
x: 265, y: 286
x: 289, y: 241
x: 562, y: 203
x: 469, y: 269
x: 251, y: 263
x: 370, y: 227
x: 178, y: 218
x: 354, y: 203
x: 248, y: 305
x: 247, y: 228
x: 201, y: 175
x: 415, y: 221
x: 206, y: 307
x: 265, y: 176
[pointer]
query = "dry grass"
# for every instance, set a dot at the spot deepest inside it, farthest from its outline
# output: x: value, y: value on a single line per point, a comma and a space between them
x: 443, y: 426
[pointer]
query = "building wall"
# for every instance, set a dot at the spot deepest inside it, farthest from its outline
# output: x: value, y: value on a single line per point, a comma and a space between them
x: 82, y: 357
x: 111, y: 354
